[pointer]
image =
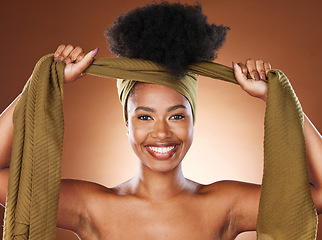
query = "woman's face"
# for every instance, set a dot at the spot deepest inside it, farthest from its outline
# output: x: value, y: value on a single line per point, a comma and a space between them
x: 160, y: 126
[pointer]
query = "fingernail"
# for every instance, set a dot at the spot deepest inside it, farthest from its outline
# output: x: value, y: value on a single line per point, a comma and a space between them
x: 256, y: 77
x: 264, y: 77
x: 233, y: 65
x: 66, y: 60
x: 94, y: 52
x: 56, y: 59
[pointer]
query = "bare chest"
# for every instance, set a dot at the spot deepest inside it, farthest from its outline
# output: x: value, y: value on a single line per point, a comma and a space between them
x: 142, y: 220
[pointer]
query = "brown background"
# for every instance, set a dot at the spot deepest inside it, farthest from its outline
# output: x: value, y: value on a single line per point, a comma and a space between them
x: 229, y: 127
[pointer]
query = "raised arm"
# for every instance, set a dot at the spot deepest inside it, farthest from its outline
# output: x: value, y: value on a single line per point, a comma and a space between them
x: 247, y: 209
x: 313, y: 142
x: 6, y: 136
x: 70, y: 202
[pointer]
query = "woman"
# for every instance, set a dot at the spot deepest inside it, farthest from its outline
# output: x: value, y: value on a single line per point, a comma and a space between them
x: 160, y: 130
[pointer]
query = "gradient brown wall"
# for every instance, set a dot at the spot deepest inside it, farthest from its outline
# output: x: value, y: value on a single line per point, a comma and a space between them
x: 229, y: 127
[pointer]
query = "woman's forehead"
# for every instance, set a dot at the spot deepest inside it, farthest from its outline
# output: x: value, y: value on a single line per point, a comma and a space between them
x: 155, y: 94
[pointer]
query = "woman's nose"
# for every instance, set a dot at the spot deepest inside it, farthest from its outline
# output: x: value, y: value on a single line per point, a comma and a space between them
x: 161, y: 130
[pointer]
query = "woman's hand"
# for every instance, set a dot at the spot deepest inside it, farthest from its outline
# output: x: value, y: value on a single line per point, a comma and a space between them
x: 257, y: 70
x: 76, y: 61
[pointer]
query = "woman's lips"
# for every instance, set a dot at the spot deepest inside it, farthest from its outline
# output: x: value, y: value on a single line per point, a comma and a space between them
x: 162, y: 153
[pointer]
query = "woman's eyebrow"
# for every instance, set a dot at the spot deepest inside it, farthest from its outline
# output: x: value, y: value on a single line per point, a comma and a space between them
x: 148, y: 109
x: 176, y: 107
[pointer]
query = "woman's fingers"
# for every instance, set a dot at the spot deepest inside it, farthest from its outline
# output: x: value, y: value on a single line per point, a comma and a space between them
x: 243, y: 68
x: 260, y: 69
x: 76, y: 60
x: 75, y: 69
x: 240, y: 75
x: 267, y: 67
x: 80, y: 57
x: 64, y: 52
x: 257, y: 70
x: 68, y: 54
x: 59, y: 50
x: 85, y: 61
x: 252, y: 69
x: 72, y: 56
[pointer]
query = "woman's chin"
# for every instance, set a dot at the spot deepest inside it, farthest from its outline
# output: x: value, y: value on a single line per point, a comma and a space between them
x: 164, y: 166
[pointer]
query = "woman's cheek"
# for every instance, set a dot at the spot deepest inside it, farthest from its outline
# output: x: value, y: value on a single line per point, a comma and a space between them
x: 140, y: 133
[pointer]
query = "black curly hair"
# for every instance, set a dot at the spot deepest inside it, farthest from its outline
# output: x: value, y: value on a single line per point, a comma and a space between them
x: 171, y: 34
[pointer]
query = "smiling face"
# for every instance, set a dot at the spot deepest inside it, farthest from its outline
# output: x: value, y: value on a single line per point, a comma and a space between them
x: 160, y: 126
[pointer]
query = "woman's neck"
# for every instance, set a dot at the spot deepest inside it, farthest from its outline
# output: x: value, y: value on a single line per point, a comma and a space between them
x: 159, y: 186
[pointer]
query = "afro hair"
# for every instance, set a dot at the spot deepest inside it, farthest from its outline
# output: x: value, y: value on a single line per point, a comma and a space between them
x: 171, y: 34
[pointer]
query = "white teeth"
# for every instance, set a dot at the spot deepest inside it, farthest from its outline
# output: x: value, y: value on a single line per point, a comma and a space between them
x: 161, y: 149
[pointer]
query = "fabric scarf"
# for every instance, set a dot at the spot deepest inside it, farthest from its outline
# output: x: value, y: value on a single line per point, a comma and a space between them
x: 187, y: 86
x: 286, y: 208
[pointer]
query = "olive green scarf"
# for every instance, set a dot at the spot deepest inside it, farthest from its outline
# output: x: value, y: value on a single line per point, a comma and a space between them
x: 286, y: 208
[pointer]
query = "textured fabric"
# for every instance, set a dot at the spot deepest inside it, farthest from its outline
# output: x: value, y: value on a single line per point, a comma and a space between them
x: 286, y: 208
x: 187, y: 86
x: 34, y: 180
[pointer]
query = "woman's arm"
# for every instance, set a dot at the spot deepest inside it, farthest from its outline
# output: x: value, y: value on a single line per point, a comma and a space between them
x: 313, y: 140
x: 245, y: 210
x: 71, y: 198
x: 313, y: 143
x: 6, y: 136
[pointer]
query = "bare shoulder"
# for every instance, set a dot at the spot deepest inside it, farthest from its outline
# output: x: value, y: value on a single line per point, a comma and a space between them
x: 83, y: 195
x: 239, y: 200
x: 236, y: 194
x: 80, y: 190
x: 86, y: 186
x: 228, y: 187
x: 228, y: 195
x: 75, y: 203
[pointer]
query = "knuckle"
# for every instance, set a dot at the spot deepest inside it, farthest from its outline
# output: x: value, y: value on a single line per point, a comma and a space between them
x: 242, y: 66
x: 244, y: 70
x: 253, y: 72
x: 78, y: 48
x: 62, y: 55
x: 76, y: 52
x: 70, y: 58
x: 262, y: 71
x: 79, y: 58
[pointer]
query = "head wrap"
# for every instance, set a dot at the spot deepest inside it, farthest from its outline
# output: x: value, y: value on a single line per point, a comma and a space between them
x: 187, y: 86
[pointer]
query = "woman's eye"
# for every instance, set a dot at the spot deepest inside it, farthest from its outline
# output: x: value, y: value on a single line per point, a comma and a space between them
x: 177, y: 117
x: 144, y: 117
